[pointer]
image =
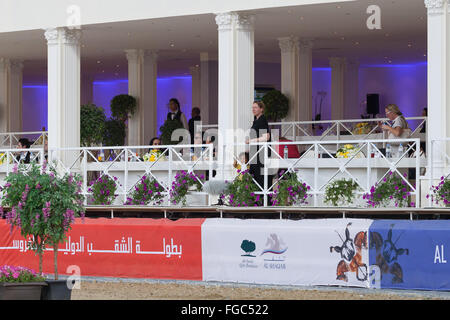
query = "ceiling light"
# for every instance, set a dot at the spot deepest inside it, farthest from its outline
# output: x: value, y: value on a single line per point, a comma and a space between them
x: 409, y: 45
x: 390, y: 61
x: 302, y: 18
x: 338, y: 7
x: 356, y: 43
x: 98, y: 61
x: 387, y: 34
x: 117, y: 65
x: 172, y: 45
x: 103, y: 71
x: 197, y: 65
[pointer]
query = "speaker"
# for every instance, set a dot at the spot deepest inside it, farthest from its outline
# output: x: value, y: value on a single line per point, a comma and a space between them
x: 373, y: 103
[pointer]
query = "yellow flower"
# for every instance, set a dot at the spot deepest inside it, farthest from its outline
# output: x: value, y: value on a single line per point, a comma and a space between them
x: 348, y: 146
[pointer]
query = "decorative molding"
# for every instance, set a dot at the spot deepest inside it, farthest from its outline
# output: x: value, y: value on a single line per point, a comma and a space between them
x: 134, y: 54
x: 245, y: 21
x: 435, y: 7
x: 17, y: 65
x: 305, y: 45
x: 63, y: 35
x: 240, y: 21
x: 336, y: 62
x: 224, y: 20
x: 288, y: 44
x: 151, y: 54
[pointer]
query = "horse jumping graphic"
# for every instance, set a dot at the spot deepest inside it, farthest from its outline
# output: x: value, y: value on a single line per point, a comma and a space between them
x: 351, y: 258
x: 387, y: 254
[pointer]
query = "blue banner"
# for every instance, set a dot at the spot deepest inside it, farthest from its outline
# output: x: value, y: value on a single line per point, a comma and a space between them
x: 410, y: 254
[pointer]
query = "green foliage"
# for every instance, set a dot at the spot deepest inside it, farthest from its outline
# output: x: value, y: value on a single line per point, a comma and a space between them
x: 180, y: 186
x: 114, y: 133
x: 248, y: 246
x: 441, y: 192
x: 392, y: 189
x: 242, y: 191
x: 289, y: 190
x: 340, y: 192
x: 43, y: 204
x: 92, y: 125
x: 148, y: 191
x: 122, y: 106
x: 277, y: 105
x: 167, y: 129
x: 103, y: 190
x: 19, y: 275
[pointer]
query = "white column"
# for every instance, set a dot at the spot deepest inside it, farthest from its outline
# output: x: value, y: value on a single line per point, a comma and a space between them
x: 195, y: 74
x: 63, y: 87
x: 236, y: 74
x: 87, y: 91
x: 438, y: 78
x: 351, y: 107
x: 135, y: 59
x: 305, y: 79
x: 149, y: 108
x: 204, y: 87
x: 337, y: 88
x: 290, y: 75
x: 11, y: 95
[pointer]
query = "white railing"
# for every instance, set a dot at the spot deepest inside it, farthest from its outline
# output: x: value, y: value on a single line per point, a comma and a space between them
x: 128, y: 166
x: 439, y: 164
x: 11, y: 139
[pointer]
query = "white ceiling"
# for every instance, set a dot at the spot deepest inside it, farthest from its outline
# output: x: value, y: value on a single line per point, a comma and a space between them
x: 338, y: 29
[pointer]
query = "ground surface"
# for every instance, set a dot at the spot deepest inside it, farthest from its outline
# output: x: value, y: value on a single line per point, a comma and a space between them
x: 126, y: 290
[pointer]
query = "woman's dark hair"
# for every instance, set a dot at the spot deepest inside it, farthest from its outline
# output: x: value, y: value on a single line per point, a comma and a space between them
x: 196, y: 111
x: 24, y: 142
x: 176, y: 102
x: 153, y: 140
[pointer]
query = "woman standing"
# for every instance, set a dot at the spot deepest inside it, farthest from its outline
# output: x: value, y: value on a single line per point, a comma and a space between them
x: 259, y: 132
x: 176, y: 114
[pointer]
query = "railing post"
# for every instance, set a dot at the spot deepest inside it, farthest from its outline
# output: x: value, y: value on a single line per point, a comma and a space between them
x: 85, y: 189
x: 125, y: 182
x: 431, y: 175
x: 266, y: 158
x: 169, y: 185
x: 211, y: 154
x: 417, y: 184
x: 316, y: 172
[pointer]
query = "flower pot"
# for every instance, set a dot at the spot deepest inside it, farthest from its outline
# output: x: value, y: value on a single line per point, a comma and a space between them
x: 56, y: 290
x: 21, y: 290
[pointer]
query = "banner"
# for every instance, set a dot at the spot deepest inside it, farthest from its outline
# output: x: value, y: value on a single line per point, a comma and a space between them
x: 411, y: 254
x: 286, y: 252
x: 128, y: 248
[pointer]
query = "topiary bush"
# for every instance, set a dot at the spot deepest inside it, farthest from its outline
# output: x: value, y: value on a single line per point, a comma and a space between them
x: 122, y: 106
x: 277, y: 105
x: 167, y: 130
x: 92, y: 125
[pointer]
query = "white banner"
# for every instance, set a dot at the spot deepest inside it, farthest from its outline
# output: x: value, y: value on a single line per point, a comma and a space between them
x: 286, y: 252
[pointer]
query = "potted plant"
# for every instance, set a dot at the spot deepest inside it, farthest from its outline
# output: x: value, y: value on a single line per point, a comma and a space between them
x: 277, y: 105
x: 340, y: 192
x: 289, y: 190
x: 241, y: 192
x: 103, y: 190
x: 183, y: 183
x: 43, y: 205
x: 393, y: 190
x: 92, y: 125
x: 167, y: 130
x: 147, y: 191
x: 441, y: 192
x: 20, y: 283
x: 123, y: 106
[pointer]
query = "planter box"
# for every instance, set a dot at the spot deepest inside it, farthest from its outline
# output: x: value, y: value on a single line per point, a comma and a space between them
x: 56, y: 290
x: 21, y: 291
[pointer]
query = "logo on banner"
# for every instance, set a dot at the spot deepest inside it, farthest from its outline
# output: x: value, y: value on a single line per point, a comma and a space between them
x: 275, y: 248
x: 387, y: 254
x: 248, y: 247
x: 351, y: 255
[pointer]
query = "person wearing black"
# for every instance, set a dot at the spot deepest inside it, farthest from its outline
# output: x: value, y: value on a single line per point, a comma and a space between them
x: 175, y: 113
x: 23, y: 157
x: 424, y: 114
x: 259, y: 133
x: 195, y: 117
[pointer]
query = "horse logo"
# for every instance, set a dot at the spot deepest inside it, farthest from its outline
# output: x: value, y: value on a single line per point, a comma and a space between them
x: 387, y: 254
x: 351, y: 254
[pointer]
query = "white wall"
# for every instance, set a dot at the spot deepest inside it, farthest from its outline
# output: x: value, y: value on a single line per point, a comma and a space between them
x: 18, y: 15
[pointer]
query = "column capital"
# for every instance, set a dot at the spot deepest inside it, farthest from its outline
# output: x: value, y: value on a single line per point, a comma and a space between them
x: 5, y: 62
x: 305, y: 44
x: 352, y: 63
x: 152, y: 54
x: 17, y: 64
x: 288, y: 44
x: 229, y: 20
x: 336, y: 62
x: 63, y: 35
x: 134, y: 54
x: 435, y: 7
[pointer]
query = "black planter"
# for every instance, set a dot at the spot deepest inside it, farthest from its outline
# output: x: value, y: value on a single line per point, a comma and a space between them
x: 21, y: 291
x: 56, y: 290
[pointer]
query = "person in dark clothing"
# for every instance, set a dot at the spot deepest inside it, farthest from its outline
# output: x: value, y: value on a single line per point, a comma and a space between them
x: 259, y: 133
x: 195, y: 117
x: 23, y: 157
x: 175, y: 112
x: 424, y: 114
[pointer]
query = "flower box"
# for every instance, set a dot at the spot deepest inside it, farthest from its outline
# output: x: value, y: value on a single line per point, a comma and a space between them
x: 21, y: 290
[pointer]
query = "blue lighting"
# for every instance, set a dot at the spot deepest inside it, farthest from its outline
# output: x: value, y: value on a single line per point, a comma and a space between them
x: 411, y: 65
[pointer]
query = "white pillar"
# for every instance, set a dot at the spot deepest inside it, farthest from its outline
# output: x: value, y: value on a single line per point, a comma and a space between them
x: 204, y: 87
x: 195, y: 74
x: 305, y: 79
x: 290, y: 75
x: 135, y: 59
x: 351, y: 108
x: 11, y: 95
x: 438, y: 78
x: 63, y: 87
x: 236, y: 74
x: 337, y: 88
x: 149, y: 117
x: 87, y: 91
